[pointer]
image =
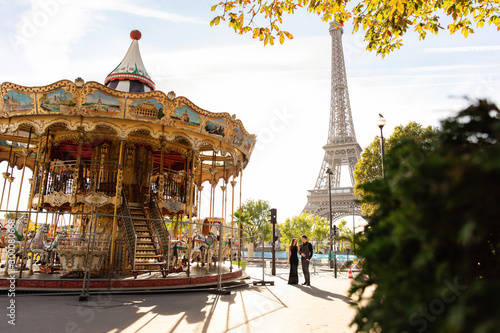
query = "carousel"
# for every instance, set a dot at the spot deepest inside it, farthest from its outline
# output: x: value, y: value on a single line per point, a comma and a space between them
x: 126, y: 167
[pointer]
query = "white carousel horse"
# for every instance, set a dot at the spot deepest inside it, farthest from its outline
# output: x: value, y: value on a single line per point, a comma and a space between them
x: 37, y: 246
x: 199, y: 248
x: 17, y: 232
x: 4, y: 233
x: 210, y: 243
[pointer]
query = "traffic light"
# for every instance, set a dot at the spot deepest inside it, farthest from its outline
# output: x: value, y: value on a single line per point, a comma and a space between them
x: 273, y: 215
x: 335, y: 230
x: 275, y: 239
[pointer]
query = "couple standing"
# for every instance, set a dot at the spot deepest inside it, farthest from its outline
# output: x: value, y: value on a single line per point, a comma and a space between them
x: 306, y: 252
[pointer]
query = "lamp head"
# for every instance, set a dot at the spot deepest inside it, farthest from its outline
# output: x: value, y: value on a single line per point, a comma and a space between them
x: 380, y: 122
x: 329, y: 171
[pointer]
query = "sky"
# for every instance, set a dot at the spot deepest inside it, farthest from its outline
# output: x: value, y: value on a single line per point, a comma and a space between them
x: 280, y: 92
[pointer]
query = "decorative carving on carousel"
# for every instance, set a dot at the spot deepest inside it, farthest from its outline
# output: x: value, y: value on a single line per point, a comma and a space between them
x: 93, y: 99
x: 96, y: 199
x: 172, y: 205
x: 57, y: 199
x: 34, y: 201
x: 40, y: 125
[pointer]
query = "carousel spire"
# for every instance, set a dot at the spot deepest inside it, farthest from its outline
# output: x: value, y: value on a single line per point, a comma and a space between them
x: 131, y: 75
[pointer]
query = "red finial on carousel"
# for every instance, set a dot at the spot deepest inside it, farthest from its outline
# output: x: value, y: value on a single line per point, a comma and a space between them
x: 135, y: 34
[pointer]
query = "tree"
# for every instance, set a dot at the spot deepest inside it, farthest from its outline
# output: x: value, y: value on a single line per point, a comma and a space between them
x: 314, y: 227
x: 320, y: 232
x: 255, y: 220
x: 346, y: 234
x: 369, y: 167
x: 433, y: 242
x: 383, y: 21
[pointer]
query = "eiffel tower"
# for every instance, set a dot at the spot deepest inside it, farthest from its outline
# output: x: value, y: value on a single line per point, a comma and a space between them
x: 341, y: 149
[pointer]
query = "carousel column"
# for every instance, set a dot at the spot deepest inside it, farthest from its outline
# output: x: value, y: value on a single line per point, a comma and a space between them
x: 41, y: 190
x: 102, y: 168
x: 161, y: 179
x: 76, y: 173
x: 5, y: 175
x: 118, y: 202
x: 210, y: 199
x: 223, y: 221
x: 191, y: 198
x: 200, y: 189
x: 30, y: 205
x: 233, y: 184
x: 10, y: 179
x: 46, y: 170
x: 26, y: 153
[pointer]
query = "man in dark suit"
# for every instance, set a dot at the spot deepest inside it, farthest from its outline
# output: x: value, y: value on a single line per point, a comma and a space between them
x: 306, y: 253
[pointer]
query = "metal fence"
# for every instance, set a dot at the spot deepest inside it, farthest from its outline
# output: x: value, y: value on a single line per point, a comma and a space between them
x: 81, y: 245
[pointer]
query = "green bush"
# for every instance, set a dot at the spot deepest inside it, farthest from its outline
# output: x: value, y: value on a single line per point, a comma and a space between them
x: 432, y: 245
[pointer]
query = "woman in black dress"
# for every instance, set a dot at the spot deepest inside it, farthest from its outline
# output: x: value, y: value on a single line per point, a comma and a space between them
x: 293, y: 261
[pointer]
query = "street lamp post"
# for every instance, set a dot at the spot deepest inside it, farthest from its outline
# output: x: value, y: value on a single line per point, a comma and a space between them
x: 380, y: 123
x: 353, y: 230
x: 330, y: 173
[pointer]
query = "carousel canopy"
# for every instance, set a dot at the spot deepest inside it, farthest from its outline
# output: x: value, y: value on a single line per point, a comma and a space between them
x: 131, y: 75
x: 92, y: 114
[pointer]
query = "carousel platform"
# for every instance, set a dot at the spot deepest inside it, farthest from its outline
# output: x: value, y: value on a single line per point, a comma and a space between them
x: 148, y: 281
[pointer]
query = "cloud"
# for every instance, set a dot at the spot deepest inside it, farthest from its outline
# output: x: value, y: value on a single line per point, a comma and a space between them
x: 48, y: 30
x: 478, y: 48
x: 153, y: 13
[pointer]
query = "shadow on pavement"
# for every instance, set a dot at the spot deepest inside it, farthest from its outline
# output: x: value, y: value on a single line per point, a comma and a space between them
x: 316, y: 292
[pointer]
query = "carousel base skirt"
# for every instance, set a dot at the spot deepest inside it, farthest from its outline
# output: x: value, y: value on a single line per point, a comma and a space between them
x: 55, y: 282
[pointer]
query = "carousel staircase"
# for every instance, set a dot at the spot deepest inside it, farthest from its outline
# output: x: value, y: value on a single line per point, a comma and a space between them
x: 143, y: 240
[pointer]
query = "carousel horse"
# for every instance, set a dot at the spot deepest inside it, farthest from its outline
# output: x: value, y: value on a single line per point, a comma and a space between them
x: 4, y: 233
x: 17, y: 232
x: 231, y: 242
x: 199, y: 247
x: 208, y: 244
x: 37, y: 246
x: 51, y: 247
x: 178, y: 249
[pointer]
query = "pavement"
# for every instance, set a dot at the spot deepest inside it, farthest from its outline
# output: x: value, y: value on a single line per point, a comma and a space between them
x: 324, y: 307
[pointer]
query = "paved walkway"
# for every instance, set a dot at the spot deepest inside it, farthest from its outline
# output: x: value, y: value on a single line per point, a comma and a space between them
x: 324, y: 307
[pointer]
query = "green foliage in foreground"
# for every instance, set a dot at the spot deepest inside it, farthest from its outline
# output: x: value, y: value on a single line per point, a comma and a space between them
x: 432, y: 245
x: 369, y: 167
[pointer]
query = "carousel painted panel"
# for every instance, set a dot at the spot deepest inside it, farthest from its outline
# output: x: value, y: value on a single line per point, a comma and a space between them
x: 215, y: 127
x: 148, y: 109
x: 185, y: 117
x: 101, y: 104
x: 17, y: 103
x: 59, y: 101
x: 248, y: 146
x: 238, y: 137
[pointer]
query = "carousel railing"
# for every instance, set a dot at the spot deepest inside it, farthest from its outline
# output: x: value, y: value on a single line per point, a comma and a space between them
x: 130, y: 233
x: 93, y: 176
x: 98, y: 176
x: 75, y: 248
x: 159, y: 227
x: 174, y: 188
x: 76, y: 240
x: 59, y: 177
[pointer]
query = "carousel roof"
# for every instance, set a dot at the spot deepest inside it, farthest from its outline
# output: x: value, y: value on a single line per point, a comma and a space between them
x: 131, y: 75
